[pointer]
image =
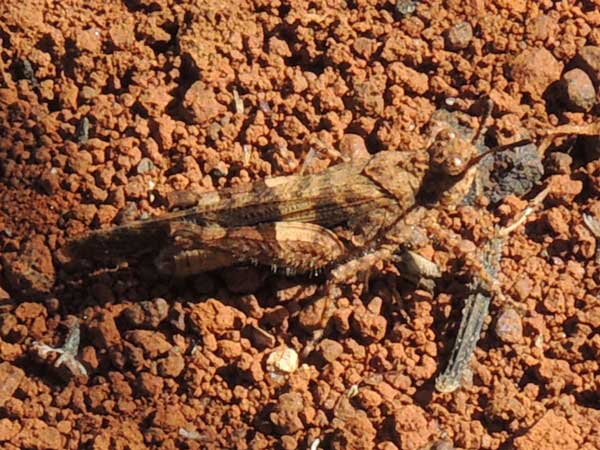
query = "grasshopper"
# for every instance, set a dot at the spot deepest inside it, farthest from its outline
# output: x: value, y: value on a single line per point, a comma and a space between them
x: 341, y: 218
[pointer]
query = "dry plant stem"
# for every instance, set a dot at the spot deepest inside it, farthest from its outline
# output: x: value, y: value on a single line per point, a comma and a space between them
x: 533, y: 205
x: 477, y: 305
x: 473, y: 316
x: 592, y: 129
x: 68, y: 352
x: 593, y: 224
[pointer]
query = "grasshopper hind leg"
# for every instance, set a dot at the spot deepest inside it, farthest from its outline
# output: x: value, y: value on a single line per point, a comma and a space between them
x: 292, y: 247
x: 173, y: 261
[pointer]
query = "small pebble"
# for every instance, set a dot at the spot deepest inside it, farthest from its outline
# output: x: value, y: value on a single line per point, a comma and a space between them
x: 368, y: 326
x: 289, y: 442
x: 563, y: 189
x: 153, y: 343
x: 31, y: 271
x: 405, y: 7
x: 352, y: 146
x: 49, y: 181
x: 145, y: 165
x: 88, y: 93
x: 147, y: 313
x: 593, y: 224
x: 330, y: 350
x: 558, y: 163
x: 287, y: 411
x: 459, y: 36
x: 172, y: 365
x: 443, y: 445
x: 283, y: 360
x: 10, y: 378
x: 83, y: 131
x: 509, y: 327
x: 523, y: 287
x: 578, y: 90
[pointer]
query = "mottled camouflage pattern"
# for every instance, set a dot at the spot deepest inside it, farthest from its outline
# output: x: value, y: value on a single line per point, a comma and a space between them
x: 299, y: 223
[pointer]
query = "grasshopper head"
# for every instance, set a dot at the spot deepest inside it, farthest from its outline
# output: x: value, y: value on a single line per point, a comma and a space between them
x: 450, y: 154
x: 453, y: 162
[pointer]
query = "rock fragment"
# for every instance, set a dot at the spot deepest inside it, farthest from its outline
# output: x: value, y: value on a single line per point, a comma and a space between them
x: 459, y: 36
x: 287, y: 410
x: 509, y: 327
x: 145, y: 165
x: 284, y: 360
x: 330, y: 350
x: 353, y: 147
x: 588, y: 59
x: 578, y: 90
x: 152, y: 342
x: 534, y: 70
x: 172, y: 365
x: 30, y: 271
x: 10, y: 378
x: 405, y: 7
x: 103, y: 331
x: 148, y: 314
x: 369, y: 326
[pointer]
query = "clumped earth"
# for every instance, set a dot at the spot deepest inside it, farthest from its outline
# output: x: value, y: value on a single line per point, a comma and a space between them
x: 108, y: 107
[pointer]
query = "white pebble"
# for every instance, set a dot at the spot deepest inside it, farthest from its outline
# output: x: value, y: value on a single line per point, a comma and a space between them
x: 283, y: 360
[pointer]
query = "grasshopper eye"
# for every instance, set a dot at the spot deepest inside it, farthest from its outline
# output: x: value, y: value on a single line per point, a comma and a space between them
x: 454, y: 165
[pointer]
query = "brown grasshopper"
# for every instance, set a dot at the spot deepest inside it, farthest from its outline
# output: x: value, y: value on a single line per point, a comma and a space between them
x: 346, y: 218
x: 342, y: 218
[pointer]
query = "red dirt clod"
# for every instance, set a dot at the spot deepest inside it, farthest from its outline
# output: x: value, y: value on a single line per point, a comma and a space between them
x: 552, y: 431
x: 10, y: 378
x: 31, y: 269
x: 287, y: 410
x: 535, y: 70
x: 330, y: 350
x: 153, y: 343
x: 412, y: 428
x: 367, y: 325
x: 588, y: 59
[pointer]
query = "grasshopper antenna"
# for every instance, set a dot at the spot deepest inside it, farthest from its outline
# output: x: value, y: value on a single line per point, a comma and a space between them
x: 499, y: 148
x: 487, y: 112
